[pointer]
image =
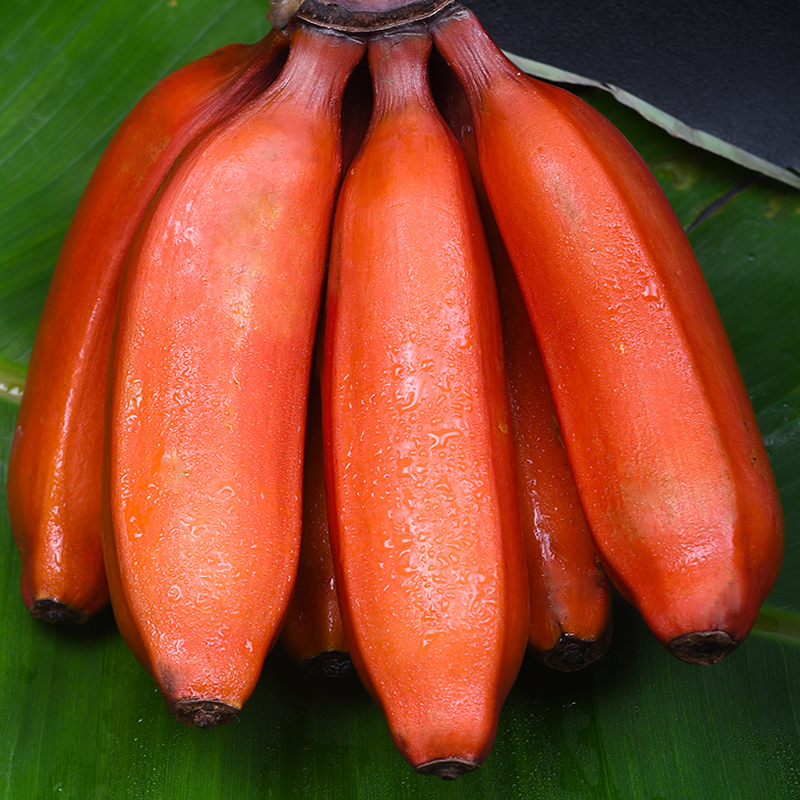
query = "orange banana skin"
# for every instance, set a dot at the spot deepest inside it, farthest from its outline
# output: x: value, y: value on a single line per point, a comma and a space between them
x: 570, y: 622
x: 661, y: 436
x: 313, y: 634
x: 421, y: 483
x: 570, y: 596
x: 55, y: 467
x: 209, y: 379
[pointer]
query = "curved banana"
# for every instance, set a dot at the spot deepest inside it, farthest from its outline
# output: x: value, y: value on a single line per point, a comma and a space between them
x: 661, y: 436
x: 570, y: 595
x: 421, y: 483
x: 208, y: 386
x: 55, y: 466
x: 313, y: 635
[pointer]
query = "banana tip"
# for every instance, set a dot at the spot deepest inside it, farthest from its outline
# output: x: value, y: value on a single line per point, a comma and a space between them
x: 57, y: 613
x: 447, y: 768
x: 571, y: 654
x: 200, y: 713
x: 703, y: 647
x: 330, y: 664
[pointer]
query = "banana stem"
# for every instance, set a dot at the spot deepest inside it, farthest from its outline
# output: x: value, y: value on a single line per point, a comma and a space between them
x: 354, y: 16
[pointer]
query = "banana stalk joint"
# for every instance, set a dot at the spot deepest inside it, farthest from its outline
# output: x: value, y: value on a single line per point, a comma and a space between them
x: 354, y: 16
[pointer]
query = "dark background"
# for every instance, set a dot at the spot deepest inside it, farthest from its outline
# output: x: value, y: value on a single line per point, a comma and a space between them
x: 731, y: 69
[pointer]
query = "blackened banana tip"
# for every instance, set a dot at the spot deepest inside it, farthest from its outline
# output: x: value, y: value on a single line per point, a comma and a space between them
x: 703, y: 647
x: 447, y: 768
x: 199, y: 713
x: 571, y: 654
x: 330, y: 664
x: 57, y: 613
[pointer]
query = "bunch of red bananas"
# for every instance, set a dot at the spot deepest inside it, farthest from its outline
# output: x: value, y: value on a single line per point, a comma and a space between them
x: 420, y: 411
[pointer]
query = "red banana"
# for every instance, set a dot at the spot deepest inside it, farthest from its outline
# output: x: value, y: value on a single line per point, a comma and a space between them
x: 422, y: 490
x: 570, y: 596
x: 570, y: 622
x: 55, y: 467
x: 209, y: 380
x: 313, y: 634
x: 661, y: 436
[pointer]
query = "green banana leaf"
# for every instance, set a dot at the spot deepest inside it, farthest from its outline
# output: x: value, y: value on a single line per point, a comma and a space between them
x: 80, y: 719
